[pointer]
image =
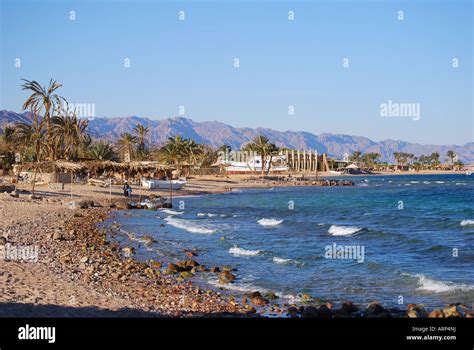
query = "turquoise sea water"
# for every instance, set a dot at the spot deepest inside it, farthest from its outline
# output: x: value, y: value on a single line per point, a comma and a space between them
x: 416, y: 234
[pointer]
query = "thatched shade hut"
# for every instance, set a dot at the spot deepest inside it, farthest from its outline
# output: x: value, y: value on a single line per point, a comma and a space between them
x: 128, y: 169
x: 51, y: 167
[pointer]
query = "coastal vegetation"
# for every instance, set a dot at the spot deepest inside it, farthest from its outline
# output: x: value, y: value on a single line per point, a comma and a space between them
x: 58, y: 133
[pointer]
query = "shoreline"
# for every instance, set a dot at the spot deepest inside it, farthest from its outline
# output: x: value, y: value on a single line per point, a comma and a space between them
x: 81, y: 273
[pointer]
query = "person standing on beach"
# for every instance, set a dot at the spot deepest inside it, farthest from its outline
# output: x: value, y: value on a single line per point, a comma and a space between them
x: 125, y: 189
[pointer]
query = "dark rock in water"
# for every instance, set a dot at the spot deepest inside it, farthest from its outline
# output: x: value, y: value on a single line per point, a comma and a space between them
x: 452, y: 311
x: 186, y: 265
x: 214, y: 269
x: 374, y: 308
x: 186, y: 274
x: 324, y: 312
x: 191, y: 263
x: 292, y: 311
x: 251, y: 309
x: 148, y: 239
x: 310, y: 312
x: 253, y: 294
x: 436, y: 313
x: 190, y: 253
x: 226, y: 277
x: 349, y: 307
x: 155, y: 264
x: 259, y: 300
x: 271, y: 296
x: 202, y: 268
x: 416, y: 311
x: 341, y: 314
x: 172, y: 268
x: 167, y: 205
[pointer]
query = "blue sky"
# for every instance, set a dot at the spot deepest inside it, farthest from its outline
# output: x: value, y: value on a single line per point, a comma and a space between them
x: 299, y: 63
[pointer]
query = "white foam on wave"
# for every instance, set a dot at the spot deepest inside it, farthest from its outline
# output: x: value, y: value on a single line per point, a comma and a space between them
x: 189, y: 225
x: 236, y: 251
x: 269, y: 222
x: 343, y: 230
x: 439, y: 182
x: 280, y: 260
x: 210, y: 215
x: 238, y: 287
x: 467, y: 222
x: 435, y: 286
x: 461, y: 184
x: 171, y: 212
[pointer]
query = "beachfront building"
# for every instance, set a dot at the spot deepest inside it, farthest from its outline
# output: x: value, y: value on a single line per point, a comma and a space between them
x: 247, y: 163
x: 287, y: 161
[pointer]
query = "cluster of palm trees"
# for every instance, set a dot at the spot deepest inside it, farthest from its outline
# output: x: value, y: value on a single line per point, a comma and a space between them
x: 54, y: 133
x: 368, y: 160
x: 431, y: 161
x: 427, y: 162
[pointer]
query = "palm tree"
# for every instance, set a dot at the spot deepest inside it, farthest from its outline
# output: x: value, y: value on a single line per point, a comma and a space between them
x: 32, y: 135
x: 261, y: 146
x: 208, y: 156
x: 68, y: 134
x: 126, y: 143
x: 402, y: 158
x: 43, y: 98
x: 356, y: 156
x: 434, y: 159
x: 102, y: 150
x: 452, y: 156
x: 142, y: 132
x: 370, y: 159
x: 7, y: 147
x: 191, y: 151
x: 174, y: 150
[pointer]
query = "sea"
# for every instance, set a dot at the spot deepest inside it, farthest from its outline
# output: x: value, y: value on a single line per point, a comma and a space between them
x: 395, y: 239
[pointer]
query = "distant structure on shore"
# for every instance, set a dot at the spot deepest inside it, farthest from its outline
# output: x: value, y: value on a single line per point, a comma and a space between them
x: 241, y: 162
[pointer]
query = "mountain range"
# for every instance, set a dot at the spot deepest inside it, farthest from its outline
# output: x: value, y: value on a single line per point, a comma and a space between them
x: 216, y: 134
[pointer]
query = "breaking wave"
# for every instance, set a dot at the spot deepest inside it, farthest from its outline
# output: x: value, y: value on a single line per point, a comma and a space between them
x: 269, y: 222
x: 431, y: 285
x: 171, y: 212
x: 189, y: 225
x: 236, y: 251
x: 343, y: 230
x: 467, y: 222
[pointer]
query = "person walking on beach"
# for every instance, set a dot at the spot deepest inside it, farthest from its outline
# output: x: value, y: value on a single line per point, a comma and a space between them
x: 127, y: 190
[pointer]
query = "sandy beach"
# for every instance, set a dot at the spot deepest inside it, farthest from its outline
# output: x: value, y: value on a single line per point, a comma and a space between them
x: 78, y: 274
x: 78, y: 271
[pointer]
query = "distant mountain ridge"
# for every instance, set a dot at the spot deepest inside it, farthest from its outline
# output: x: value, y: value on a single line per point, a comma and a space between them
x: 216, y: 134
